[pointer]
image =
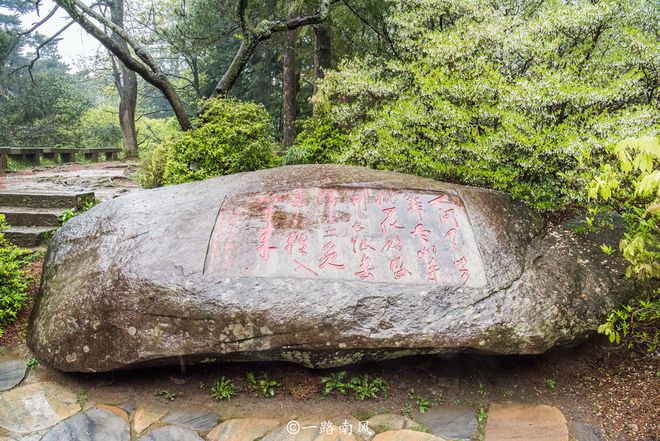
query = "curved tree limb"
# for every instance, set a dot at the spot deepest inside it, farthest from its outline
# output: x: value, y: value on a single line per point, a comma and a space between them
x: 144, y: 65
x: 262, y: 31
x: 42, y: 45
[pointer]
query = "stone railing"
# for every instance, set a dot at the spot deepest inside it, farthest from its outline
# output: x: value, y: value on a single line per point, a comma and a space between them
x: 33, y: 155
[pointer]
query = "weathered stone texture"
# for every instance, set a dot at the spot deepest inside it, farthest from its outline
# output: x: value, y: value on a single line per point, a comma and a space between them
x: 320, y: 265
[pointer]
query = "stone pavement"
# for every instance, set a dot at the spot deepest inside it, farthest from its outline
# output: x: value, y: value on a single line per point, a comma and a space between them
x: 38, y: 410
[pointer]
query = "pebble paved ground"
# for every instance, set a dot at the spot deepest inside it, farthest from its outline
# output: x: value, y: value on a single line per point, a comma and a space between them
x: 34, y: 408
x: 501, y: 400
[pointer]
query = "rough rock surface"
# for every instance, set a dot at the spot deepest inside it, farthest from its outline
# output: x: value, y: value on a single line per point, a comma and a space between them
x: 452, y: 422
x: 171, y: 433
x: 515, y: 421
x: 34, y: 407
x: 320, y: 265
x: 11, y: 373
x: 91, y: 425
x: 242, y: 429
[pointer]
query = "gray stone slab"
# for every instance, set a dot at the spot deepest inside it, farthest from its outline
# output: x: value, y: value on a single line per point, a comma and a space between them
x: 33, y: 407
x: 91, y: 425
x: 195, y: 420
x: 585, y: 432
x: 517, y: 421
x: 242, y: 429
x: 11, y: 373
x: 454, y: 422
x: 171, y: 433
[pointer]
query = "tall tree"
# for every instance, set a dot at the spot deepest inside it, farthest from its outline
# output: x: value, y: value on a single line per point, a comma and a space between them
x: 322, y: 51
x: 137, y: 58
x: 125, y: 83
x: 289, y: 83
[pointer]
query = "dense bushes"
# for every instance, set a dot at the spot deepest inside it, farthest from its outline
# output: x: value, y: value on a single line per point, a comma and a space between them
x: 230, y: 137
x: 319, y: 143
x: 517, y: 96
x: 13, y: 279
x: 630, y: 185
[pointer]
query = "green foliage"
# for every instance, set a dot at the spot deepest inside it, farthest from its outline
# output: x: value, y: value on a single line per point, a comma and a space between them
x: 99, y: 127
x: 166, y: 394
x: 551, y: 383
x: 13, y: 278
x: 81, y: 396
x: 519, y: 98
x: 318, y: 143
x: 223, y: 389
x: 73, y: 212
x: 32, y: 362
x: 231, y: 137
x: 482, y: 417
x: 45, y: 112
x: 629, y: 184
x: 265, y: 385
x: 423, y: 404
x: 364, y: 387
x: 335, y: 382
x: 152, y: 166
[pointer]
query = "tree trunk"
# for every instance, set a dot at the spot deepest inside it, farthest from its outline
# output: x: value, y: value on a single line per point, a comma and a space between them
x: 241, y: 58
x: 289, y: 88
x: 126, y: 84
x: 322, y: 51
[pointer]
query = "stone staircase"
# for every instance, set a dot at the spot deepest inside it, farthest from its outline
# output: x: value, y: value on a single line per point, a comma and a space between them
x: 33, y: 215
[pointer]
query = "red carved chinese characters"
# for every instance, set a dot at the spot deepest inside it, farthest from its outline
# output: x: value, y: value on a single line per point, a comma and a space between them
x: 329, y: 256
x: 266, y: 234
x: 366, y: 269
x: 347, y: 233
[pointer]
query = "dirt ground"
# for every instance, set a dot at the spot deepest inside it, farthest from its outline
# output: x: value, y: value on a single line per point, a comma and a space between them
x: 593, y: 383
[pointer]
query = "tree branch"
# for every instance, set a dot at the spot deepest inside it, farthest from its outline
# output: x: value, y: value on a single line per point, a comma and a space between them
x: 43, y: 44
x: 40, y: 22
x: 145, y: 65
x: 263, y: 31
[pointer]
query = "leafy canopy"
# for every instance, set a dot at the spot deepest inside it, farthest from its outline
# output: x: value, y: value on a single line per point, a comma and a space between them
x: 520, y: 96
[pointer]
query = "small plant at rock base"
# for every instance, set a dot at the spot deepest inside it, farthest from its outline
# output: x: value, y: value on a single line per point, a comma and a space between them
x: 421, y: 428
x: 32, y: 362
x: 67, y: 215
x: 264, y: 384
x: 223, y: 389
x: 170, y: 396
x: 423, y: 405
x: 334, y: 383
x: 81, y: 396
x: 551, y: 383
x: 81, y: 208
x: 482, y: 417
x: 364, y: 387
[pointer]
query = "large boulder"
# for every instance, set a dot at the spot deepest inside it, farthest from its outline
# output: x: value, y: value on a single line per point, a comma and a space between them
x: 320, y: 265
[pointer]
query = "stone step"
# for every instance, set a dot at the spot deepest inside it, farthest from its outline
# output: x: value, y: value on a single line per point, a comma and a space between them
x: 43, y: 199
x: 28, y: 237
x: 32, y: 217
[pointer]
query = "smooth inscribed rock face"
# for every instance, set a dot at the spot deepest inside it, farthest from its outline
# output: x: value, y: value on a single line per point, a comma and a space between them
x: 320, y: 265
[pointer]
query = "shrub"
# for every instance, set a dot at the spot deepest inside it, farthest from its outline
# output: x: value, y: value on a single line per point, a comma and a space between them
x: 319, y: 143
x: 231, y: 137
x: 152, y: 166
x: 630, y: 185
x: 520, y: 98
x: 13, y: 279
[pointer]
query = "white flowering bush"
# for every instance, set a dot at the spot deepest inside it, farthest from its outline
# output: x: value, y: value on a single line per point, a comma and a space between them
x: 520, y: 96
